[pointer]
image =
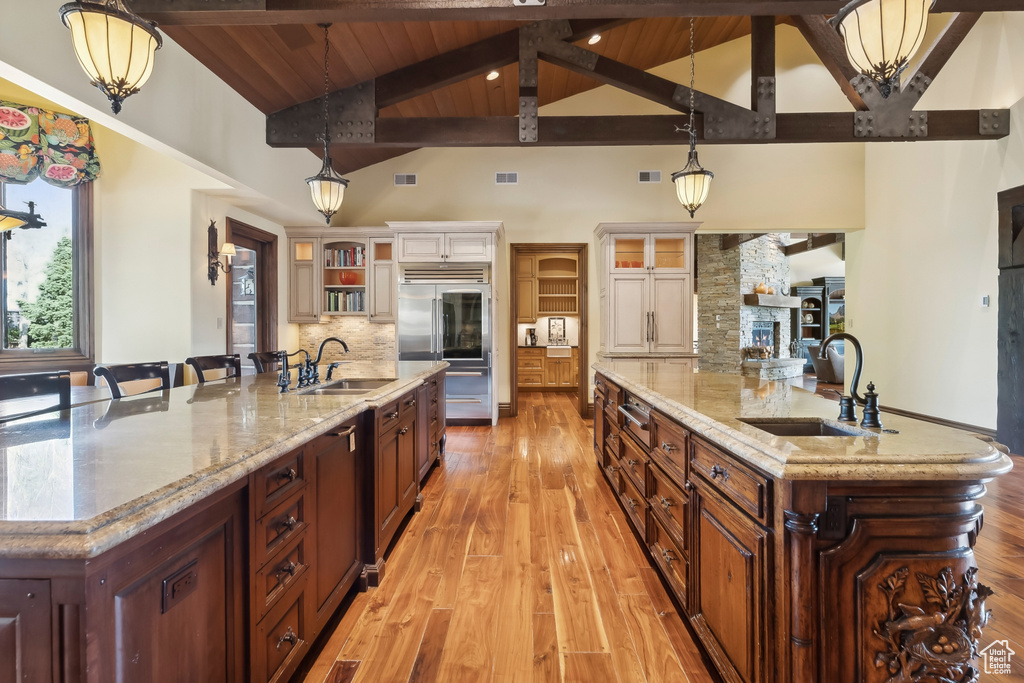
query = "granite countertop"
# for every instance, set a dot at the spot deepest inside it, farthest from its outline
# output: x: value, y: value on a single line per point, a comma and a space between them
x: 77, y: 483
x: 711, y: 403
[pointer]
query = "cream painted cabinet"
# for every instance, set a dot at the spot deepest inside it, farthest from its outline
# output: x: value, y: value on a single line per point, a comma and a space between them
x: 436, y: 247
x: 671, y: 313
x: 303, y: 281
x: 383, y: 280
x: 427, y: 247
x: 629, y: 319
x: 467, y: 247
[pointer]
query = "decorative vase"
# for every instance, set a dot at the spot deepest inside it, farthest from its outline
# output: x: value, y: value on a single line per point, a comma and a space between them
x: 761, y: 288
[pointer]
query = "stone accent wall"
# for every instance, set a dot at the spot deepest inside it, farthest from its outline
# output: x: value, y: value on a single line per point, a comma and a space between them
x: 366, y: 340
x: 723, y: 277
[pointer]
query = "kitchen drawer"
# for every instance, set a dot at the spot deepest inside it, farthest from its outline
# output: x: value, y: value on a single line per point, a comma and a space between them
x: 669, y: 444
x: 280, y: 574
x: 530, y: 378
x: 634, y: 464
x: 277, y: 481
x: 633, y: 501
x: 741, y: 484
x: 530, y: 363
x: 407, y: 406
x: 670, y: 559
x: 283, y: 636
x: 533, y: 352
x: 388, y: 417
x: 278, y: 527
x: 670, y: 503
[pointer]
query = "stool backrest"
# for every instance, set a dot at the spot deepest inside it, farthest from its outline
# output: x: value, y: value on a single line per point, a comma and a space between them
x: 116, y: 375
x: 33, y: 385
x: 228, y: 362
x: 265, y: 361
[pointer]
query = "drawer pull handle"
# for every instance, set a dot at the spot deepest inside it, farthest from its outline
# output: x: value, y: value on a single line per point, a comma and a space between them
x: 290, y: 474
x: 288, y: 637
x: 288, y: 569
x: 344, y: 433
x: 614, y: 468
x: 719, y: 471
x: 632, y: 462
x: 290, y: 523
x: 666, y: 503
x: 667, y: 447
x: 403, y: 430
x: 631, y: 503
x: 411, y: 402
x: 615, y: 437
x: 688, y: 487
x: 393, y: 416
x: 667, y: 554
x: 434, y: 400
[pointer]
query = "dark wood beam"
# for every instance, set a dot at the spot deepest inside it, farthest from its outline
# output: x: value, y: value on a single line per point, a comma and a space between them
x: 762, y: 54
x: 829, y: 47
x: 502, y: 131
x: 735, y: 239
x: 944, y: 46
x: 815, y: 241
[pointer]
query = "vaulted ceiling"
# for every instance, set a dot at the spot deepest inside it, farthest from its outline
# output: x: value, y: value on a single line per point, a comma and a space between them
x: 277, y: 66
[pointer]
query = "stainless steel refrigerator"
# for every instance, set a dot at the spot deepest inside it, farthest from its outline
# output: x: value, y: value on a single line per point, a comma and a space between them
x: 451, y: 322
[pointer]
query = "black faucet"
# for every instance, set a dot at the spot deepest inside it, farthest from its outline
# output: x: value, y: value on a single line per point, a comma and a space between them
x: 303, y: 374
x: 320, y: 354
x: 847, y: 408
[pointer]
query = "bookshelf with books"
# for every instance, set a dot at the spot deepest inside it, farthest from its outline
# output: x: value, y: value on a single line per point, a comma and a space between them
x: 344, y: 277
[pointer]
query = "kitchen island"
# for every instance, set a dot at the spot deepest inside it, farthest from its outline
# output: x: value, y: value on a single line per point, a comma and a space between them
x: 800, y: 548
x: 208, y: 532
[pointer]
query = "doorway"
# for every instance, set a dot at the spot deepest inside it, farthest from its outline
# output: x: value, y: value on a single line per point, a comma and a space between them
x: 1009, y: 428
x: 549, y: 297
x: 252, y: 292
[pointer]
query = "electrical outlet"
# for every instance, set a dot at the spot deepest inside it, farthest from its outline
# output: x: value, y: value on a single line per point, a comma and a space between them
x: 984, y: 301
x: 220, y: 323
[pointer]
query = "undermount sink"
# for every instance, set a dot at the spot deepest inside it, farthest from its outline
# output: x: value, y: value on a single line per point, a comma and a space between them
x: 814, y: 426
x: 352, y: 387
x: 559, y: 351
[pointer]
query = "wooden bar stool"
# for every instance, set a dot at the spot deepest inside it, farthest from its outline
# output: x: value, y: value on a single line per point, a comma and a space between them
x: 203, y: 363
x: 265, y: 361
x: 34, y: 385
x: 115, y: 375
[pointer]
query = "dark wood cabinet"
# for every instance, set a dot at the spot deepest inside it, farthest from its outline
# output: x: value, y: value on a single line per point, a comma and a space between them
x: 396, y: 480
x: 24, y: 616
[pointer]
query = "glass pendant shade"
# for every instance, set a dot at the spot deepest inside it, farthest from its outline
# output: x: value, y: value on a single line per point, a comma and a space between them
x: 692, y: 183
x: 114, y: 45
x: 882, y: 36
x: 327, y: 189
x: 8, y: 222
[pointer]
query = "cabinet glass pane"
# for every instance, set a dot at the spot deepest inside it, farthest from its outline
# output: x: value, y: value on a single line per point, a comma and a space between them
x: 303, y: 251
x: 382, y: 251
x: 669, y: 252
x: 629, y: 253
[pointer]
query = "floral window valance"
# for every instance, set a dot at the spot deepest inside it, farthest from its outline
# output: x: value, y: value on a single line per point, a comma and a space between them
x: 38, y: 143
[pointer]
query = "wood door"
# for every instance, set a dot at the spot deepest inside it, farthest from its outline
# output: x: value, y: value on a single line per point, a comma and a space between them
x: 565, y: 376
x: 426, y: 247
x: 526, y: 266
x: 671, y: 306
x: 1009, y: 427
x: 407, y: 468
x: 526, y: 304
x: 629, y: 322
x: 382, y: 281
x: 467, y: 247
x: 303, y: 283
x: 336, y: 558
x: 24, y: 631
x: 423, y: 429
x: 388, y: 494
x: 252, y: 296
x: 730, y: 577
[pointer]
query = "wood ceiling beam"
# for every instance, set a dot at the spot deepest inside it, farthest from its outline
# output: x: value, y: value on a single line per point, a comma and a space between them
x: 735, y: 239
x: 762, y: 54
x: 815, y: 241
x: 568, y: 131
x: 267, y: 12
x: 829, y: 47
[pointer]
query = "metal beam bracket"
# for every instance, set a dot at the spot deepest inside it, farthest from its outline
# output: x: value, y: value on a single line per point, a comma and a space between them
x: 353, y: 113
x: 993, y: 122
x: 528, y: 119
x: 892, y: 117
x: 737, y: 123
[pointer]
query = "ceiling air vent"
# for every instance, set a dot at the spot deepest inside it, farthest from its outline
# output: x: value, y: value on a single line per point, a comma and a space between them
x: 405, y: 179
x: 648, y: 176
x: 506, y: 178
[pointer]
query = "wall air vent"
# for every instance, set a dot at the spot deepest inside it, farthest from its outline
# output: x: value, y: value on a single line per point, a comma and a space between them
x: 405, y: 179
x: 444, y: 272
x: 506, y: 178
x: 648, y: 176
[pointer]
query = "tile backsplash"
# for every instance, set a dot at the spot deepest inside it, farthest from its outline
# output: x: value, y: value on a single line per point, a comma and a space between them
x: 366, y: 340
x: 572, y: 331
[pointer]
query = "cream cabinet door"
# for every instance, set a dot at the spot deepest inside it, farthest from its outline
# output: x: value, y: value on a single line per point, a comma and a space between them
x: 382, y: 281
x: 671, y: 309
x: 468, y: 247
x: 629, y: 322
x: 427, y: 247
x: 303, y: 281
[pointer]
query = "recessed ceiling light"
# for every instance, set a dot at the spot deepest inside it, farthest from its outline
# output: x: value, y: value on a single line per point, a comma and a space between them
x: 493, y: 75
x: 594, y: 39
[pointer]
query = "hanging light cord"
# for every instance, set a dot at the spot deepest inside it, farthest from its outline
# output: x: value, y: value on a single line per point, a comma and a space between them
x: 693, y: 133
x: 327, y: 90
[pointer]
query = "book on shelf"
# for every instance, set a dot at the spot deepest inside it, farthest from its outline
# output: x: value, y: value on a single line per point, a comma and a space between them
x: 346, y: 302
x: 353, y: 257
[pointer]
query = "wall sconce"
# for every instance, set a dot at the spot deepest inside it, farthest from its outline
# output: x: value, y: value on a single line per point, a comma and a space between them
x: 227, y: 250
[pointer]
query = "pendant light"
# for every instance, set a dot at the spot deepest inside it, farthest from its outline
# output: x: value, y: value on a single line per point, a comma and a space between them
x: 882, y: 36
x: 9, y: 220
x: 327, y: 188
x: 114, y: 45
x: 693, y: 182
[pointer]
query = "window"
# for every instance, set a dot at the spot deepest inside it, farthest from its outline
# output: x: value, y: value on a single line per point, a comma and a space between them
x: 46, y: 303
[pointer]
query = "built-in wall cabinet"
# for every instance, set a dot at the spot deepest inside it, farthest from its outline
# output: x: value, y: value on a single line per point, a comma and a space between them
x: 548, y: 285
x: 438, y: 247
x: 341, y: 272
x: 646, y: 287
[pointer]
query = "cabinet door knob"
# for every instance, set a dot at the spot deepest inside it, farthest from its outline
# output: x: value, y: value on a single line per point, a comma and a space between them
x: 667, y: 447
x: 403, y: 430
x: 688, y: 487
x: 288, y: 637
x: 290, y: 523
x: 411, y: 402
x: 614, y: 468
x: 632, y: 462
x: 631, y: 503
x: 719, y: 471
x: 393, y: 416
x: 667, y: 554
x: 290, y: 474
x: 288, y: 569
x: 666, y: 503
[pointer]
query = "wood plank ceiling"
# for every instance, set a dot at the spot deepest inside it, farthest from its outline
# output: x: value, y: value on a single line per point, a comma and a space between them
x: 277, y: 66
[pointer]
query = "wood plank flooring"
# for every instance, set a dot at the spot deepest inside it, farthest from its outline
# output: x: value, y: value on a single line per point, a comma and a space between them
x: 521, y: 567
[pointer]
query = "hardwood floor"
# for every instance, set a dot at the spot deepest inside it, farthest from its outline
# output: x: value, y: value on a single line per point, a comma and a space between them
x: 521, y: 567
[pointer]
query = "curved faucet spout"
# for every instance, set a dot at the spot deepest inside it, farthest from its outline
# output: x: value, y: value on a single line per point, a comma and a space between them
x: 860, y: 359
x: 320, y: 351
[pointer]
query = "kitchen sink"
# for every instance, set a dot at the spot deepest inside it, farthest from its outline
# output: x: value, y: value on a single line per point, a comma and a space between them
x: 559, y: 351
x: 352, y: 387
x: 805, y: 427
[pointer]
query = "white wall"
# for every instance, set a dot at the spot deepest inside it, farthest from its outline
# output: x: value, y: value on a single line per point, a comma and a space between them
x: 824, y: 262
x: 916, y: 274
